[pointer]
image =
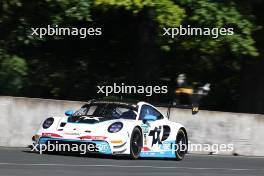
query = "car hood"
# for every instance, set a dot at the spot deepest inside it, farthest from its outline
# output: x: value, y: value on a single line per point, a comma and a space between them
x: 72, y: 130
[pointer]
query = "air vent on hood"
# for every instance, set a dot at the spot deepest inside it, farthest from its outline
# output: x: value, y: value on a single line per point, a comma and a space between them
x: 62, y: 124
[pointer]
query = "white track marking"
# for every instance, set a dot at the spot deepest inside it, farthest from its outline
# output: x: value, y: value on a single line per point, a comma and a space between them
x: 126, y: 166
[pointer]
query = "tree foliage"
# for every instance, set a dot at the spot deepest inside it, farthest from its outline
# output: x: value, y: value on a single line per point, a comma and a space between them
x: 131, y: 48
x: 13, y: 71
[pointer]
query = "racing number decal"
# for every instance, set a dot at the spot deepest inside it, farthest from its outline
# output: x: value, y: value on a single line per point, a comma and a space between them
x: 156, y: 134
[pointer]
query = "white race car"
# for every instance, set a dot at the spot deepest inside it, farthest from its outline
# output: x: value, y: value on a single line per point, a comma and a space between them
x: 137, y: 129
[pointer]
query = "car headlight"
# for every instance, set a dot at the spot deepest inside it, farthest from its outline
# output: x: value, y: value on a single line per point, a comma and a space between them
x: 48, y: 122
x: 115, y: 127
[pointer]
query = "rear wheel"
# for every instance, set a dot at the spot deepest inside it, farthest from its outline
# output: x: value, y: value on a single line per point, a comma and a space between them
x: 182, y: 144
x: 135, y: 143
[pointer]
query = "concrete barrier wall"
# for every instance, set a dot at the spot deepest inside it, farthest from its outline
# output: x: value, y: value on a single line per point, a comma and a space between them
x: 20, y: 117
x: 244, y: 131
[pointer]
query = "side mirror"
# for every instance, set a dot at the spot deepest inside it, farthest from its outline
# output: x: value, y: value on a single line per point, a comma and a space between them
x: 69, y: 112
x: 150, y: 118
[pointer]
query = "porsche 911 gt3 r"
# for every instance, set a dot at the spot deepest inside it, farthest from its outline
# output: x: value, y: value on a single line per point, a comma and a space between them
x: 136, y: 129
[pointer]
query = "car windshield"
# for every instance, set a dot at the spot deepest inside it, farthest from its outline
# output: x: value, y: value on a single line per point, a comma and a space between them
x: 94, y: 113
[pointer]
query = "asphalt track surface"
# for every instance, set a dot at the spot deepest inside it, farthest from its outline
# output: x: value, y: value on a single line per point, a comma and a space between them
x: 22, y: 162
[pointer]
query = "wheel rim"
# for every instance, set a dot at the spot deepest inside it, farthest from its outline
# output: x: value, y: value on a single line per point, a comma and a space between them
x: 136, y: 144
x: 181, y: 140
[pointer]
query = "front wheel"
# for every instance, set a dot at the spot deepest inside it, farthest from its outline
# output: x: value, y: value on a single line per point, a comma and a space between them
x: 135, y: 143
x: 181, y: 144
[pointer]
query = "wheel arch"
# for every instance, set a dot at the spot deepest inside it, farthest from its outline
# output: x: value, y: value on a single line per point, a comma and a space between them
x: 139, y: 127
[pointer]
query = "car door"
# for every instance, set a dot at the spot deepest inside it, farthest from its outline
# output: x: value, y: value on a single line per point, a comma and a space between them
x: 155, y: 132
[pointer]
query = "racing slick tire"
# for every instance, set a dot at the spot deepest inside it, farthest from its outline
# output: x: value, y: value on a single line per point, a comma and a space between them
x: 135, y: 143
x: 181, y: 144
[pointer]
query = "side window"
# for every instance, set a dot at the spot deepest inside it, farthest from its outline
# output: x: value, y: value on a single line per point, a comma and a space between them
x: 157, y: 114
x: 148, y: 110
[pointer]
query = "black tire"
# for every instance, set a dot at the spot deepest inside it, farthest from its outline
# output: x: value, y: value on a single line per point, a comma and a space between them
x: 135, y: 143
x: 181, y: 139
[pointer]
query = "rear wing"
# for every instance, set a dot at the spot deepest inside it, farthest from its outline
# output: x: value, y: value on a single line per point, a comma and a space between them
x: 194, y: 107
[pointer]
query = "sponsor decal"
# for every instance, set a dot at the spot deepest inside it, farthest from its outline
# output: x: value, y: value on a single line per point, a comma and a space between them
x: 66, y: 133
x: 116, y: 141
x: 93, y: 137
x: 145, y: 139
x: 145, y: 128
x: 50, y: 135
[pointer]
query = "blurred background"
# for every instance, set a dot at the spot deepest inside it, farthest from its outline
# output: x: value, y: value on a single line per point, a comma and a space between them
x: 228, y: 72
